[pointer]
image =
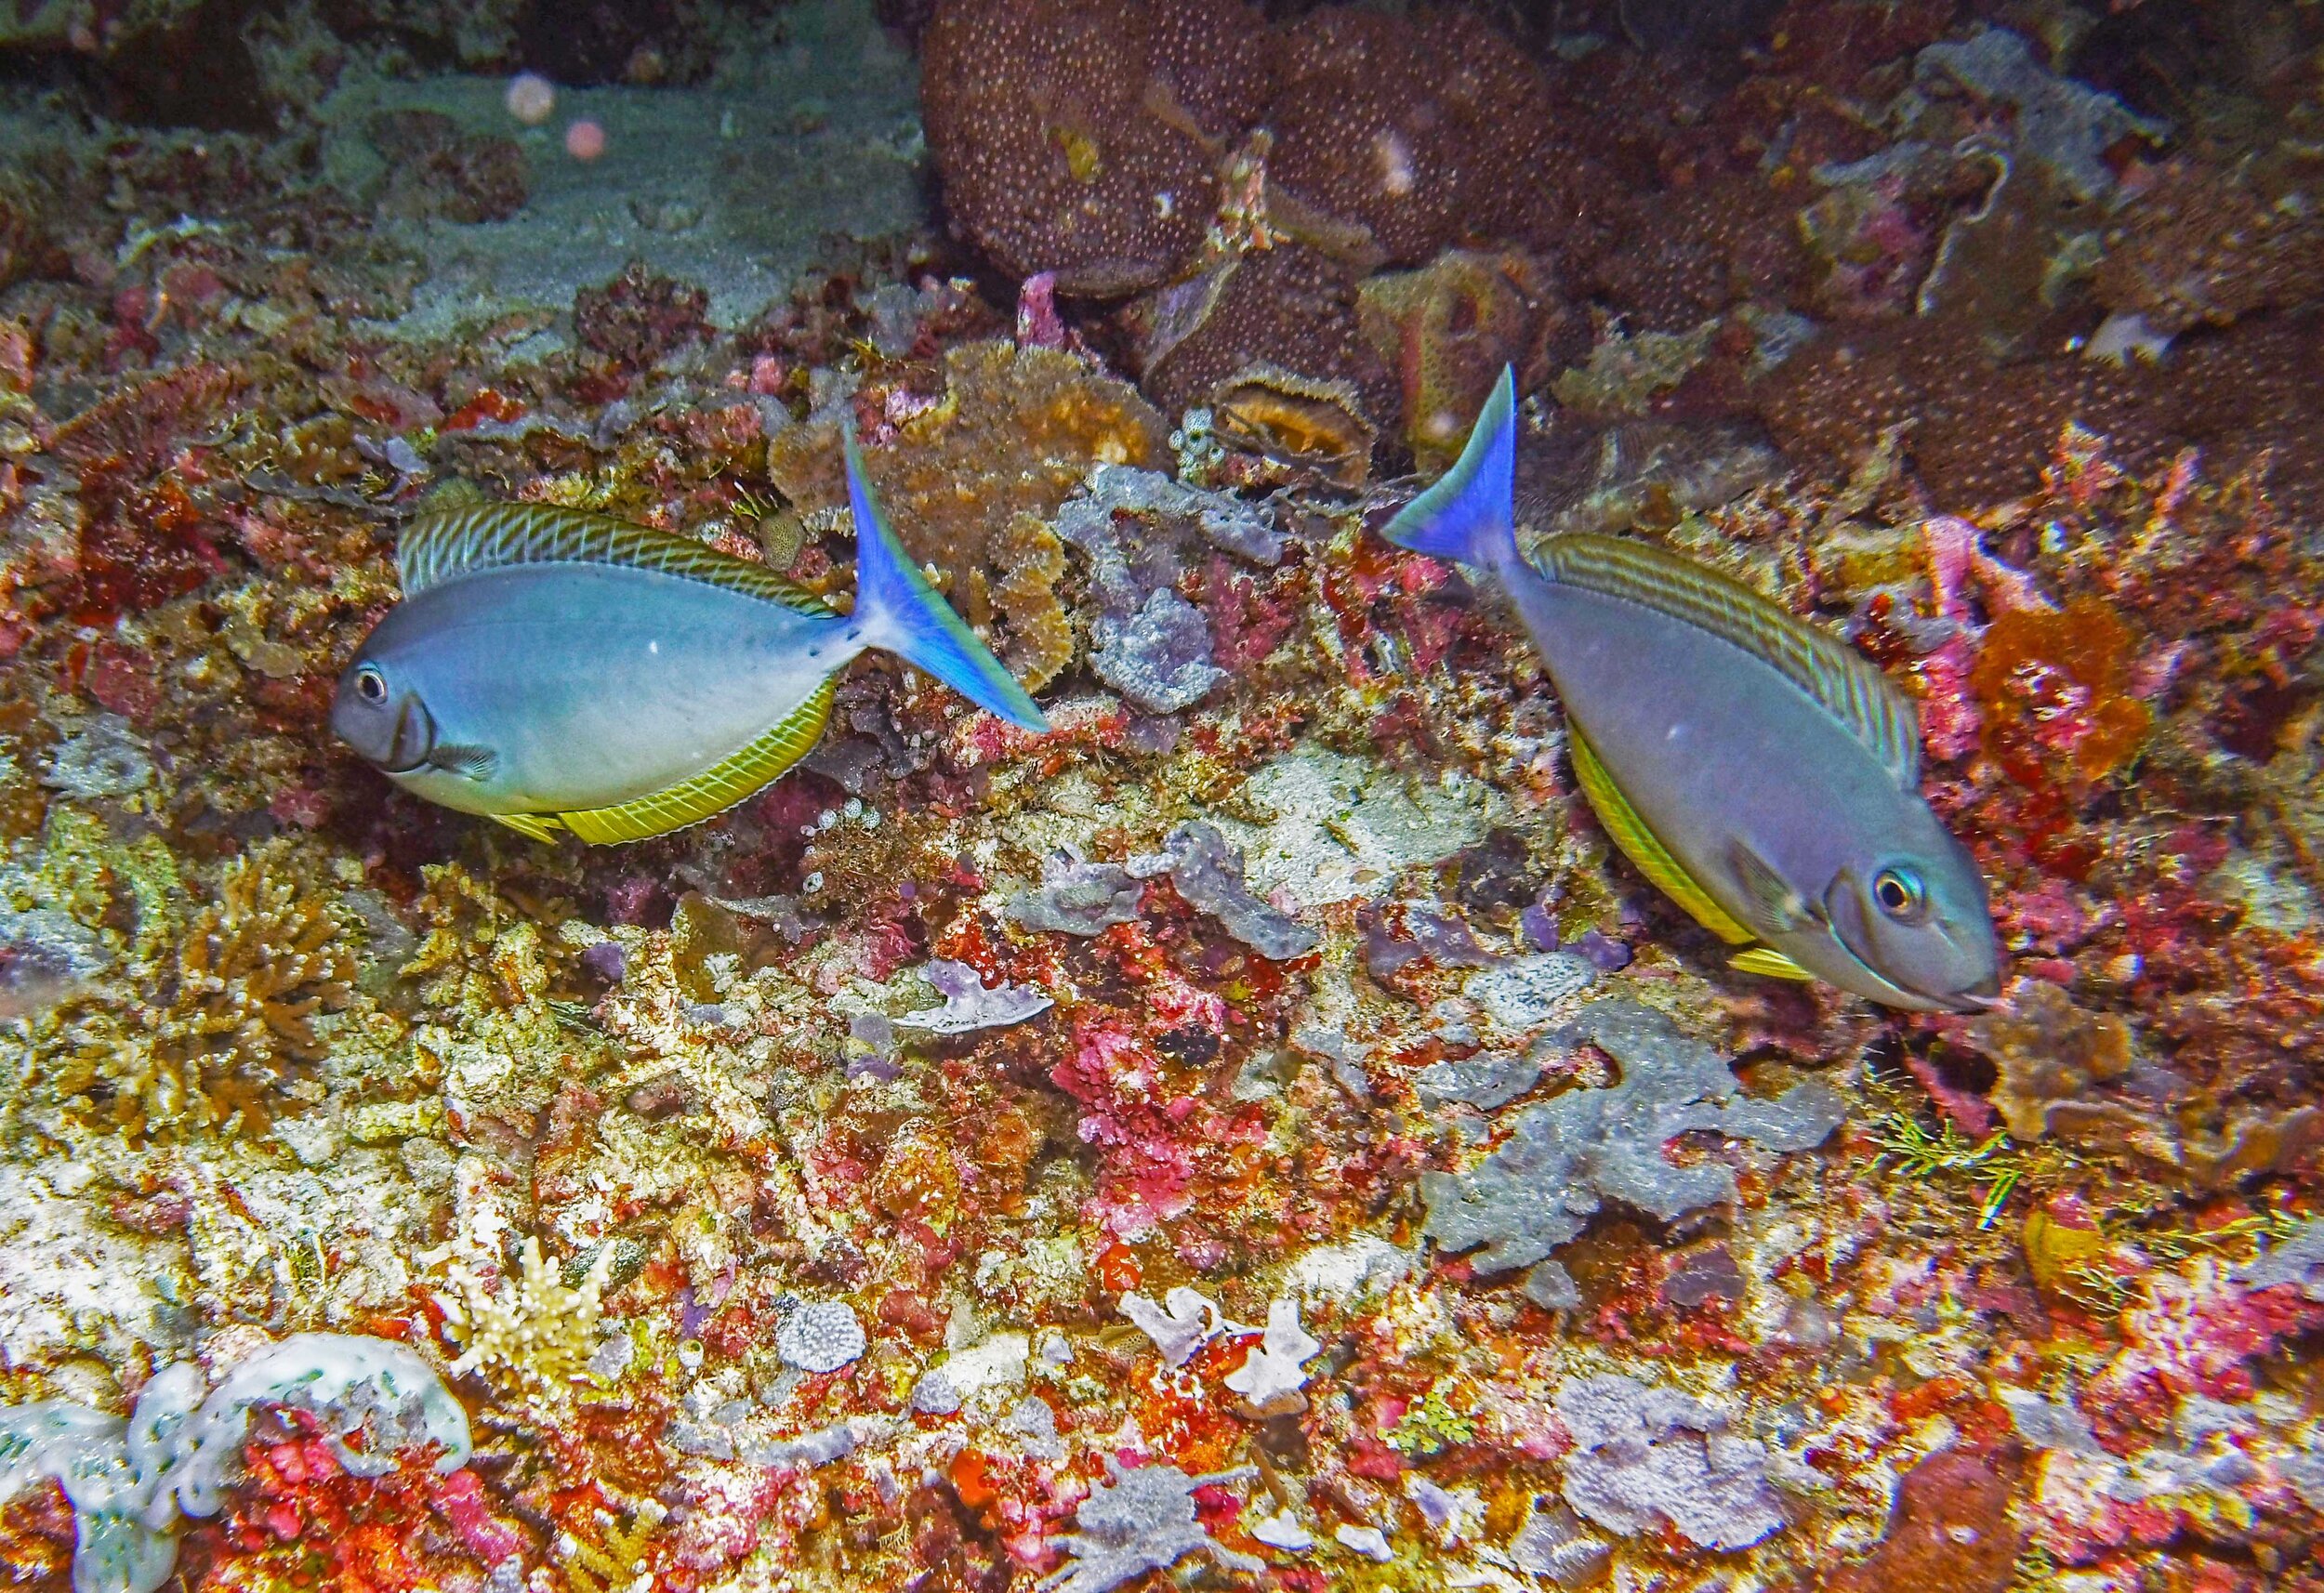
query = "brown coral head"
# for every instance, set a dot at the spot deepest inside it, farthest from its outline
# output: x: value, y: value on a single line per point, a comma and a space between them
x: 2055, y: 689
x: 2048, y: 1052
x: 1083, y: 137
x: 1310, y: 422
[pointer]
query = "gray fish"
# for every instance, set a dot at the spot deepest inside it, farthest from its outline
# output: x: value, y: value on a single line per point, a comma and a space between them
x: 558, y: 670
x: 1765, y: 774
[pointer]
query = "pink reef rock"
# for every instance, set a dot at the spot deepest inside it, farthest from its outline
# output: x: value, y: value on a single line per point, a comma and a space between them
x: 1038, y: 324
x: 1145, y: 1167
x: 2195, y: 1333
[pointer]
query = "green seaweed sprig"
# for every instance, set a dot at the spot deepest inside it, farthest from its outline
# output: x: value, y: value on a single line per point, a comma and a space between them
x: 1430, y: 1426
x: 1909, y: 1147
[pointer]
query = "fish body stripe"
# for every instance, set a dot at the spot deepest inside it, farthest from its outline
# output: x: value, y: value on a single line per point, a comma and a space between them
x: 715, y: 789
x: 1846, y: 684
x: 440, y: 547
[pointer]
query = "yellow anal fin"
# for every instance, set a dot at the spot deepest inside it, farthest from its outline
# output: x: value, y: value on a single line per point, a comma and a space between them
x: 1769, y: 961
x: 1638, y: 844
x: 716, y: 789
x: 540, y: 827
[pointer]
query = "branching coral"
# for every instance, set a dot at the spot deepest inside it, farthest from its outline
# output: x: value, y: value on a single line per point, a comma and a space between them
x: 533, y: 1331
x: 228, y: 1019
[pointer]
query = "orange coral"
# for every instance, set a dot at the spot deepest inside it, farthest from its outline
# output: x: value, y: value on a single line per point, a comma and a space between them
x: 1446, y: 330
x: 2056, y: 685
x: 1016, y: 432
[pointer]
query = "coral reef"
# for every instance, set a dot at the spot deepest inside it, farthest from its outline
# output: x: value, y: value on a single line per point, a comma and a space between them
x: 1646, y: 1455
x: 2196, y: 248
x: 1413, y: 131
x: 1290, y: 309
x: 1082, y: 137
x: 131, y: 1481
x: 1259, y: 1131
x: 640, y: 317
x: 1138, y: 1521
x: 1568, y: 1156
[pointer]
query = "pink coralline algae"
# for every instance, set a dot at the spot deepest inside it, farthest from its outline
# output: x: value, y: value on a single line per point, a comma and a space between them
x: 1115, y: 1077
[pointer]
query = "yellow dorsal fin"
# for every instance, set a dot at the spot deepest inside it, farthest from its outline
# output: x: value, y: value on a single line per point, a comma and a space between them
x: 442, y: 546
x: 1638, y: 844
x: 1768, y: 961
x: 716, y: 789
x: 540, y: 827
x: 1846, y: 684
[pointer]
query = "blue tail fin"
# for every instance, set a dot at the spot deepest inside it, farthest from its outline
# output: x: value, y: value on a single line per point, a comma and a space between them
x: 898, y: 611
x: 1468, y: 513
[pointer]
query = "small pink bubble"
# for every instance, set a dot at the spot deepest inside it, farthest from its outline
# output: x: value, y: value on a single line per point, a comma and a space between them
x: 531, y: 97
x: 585, y: 139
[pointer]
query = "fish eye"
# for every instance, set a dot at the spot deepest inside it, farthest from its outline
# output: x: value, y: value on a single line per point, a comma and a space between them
x: 1899, y: 893
x: 370, y: 685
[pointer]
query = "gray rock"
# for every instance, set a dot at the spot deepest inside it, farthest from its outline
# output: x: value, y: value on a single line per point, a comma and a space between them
x: 1568, y: 1156
x: 1648, y: 1456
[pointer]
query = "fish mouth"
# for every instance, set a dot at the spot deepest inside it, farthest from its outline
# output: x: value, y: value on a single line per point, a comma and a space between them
x: 414, y: 738
x: 1982, y: 996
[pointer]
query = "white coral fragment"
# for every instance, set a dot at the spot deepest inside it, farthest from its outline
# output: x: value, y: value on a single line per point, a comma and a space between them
x: 1184, y: 1323
x: 1273, y: 1369
x: 819, y: 1336
x: 969, y: 1006
x: 1138, y: 1521
x: 1283, y: 1530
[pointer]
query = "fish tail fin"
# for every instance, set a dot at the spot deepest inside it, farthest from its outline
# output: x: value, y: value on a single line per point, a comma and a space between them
x: 1469, y: 514
x: 897, y: 611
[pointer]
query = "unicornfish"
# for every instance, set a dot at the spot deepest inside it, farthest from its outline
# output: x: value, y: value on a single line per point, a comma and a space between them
x: 558, y: 670
x: 1762, y: 772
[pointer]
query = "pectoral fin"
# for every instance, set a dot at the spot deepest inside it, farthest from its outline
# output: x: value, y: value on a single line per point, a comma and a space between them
x: 540, y: 827
x: 1768, y: 961
x: 1777, y: 909
x: 468, y: 762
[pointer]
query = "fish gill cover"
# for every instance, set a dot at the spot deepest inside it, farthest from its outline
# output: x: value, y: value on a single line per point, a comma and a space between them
x: 1259, y: 1132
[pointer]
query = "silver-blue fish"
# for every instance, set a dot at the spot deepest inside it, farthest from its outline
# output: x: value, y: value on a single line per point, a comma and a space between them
x: 1762, y: 773
x: 558, y: 670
